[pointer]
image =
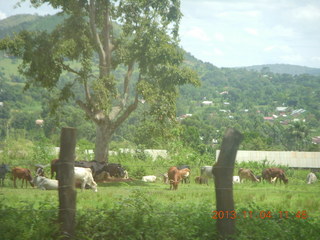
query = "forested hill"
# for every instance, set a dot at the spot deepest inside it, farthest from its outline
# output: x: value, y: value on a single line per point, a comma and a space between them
x: 16, y: 23
x: 285, y: 68
x: 248, y: 99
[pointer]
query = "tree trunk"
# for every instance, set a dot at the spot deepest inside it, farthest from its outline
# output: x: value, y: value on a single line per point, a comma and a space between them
x: 103, y: 138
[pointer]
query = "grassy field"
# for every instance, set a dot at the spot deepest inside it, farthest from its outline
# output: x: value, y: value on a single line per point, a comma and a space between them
x: 130, y: 208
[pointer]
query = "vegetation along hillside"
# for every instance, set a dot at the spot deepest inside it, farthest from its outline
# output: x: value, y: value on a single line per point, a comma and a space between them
x: 275, y: 107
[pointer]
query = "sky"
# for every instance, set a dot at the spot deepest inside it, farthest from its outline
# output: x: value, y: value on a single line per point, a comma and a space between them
x: 236, y: 33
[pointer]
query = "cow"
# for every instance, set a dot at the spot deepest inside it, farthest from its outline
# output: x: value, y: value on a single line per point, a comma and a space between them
x: 44, y: 183
x: 22, y: 173
x: 115, y: 170
x: 247, y: 174
x: 187, y: 178
x: 311, y: 178
x: 206, y: 172
x: 84, y: 176
x: 40, y: 169
x: 235, y: 179
x: 201, y: 180
x: 175, y: 176
x: 4, y: 168
x: 150, y: 178
x: 273, y: 174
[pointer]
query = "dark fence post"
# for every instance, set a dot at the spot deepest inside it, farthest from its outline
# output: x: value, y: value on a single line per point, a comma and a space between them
x: 223, y: 172
x: 67, y: 193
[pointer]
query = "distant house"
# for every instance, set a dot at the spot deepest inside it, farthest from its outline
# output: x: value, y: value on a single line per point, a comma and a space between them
x: 281, y: 109
x: 268, y: 118
x: 207, y: 103
x: 297, y: 112
x: 224, y: 92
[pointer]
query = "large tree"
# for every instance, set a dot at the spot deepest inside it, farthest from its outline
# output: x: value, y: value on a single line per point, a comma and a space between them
x: 96, y: 39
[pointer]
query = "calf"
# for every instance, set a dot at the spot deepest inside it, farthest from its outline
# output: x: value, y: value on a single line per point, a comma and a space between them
x: 150, y: 178
x: 22, y: 173
x: 247, y: 174
x: 201, y: 180
x: 44, y: 183
x: 84, y: 176
x: 175, y: 176
x: 4, y: 168
x: 273, y: 174
x: 311, y: 178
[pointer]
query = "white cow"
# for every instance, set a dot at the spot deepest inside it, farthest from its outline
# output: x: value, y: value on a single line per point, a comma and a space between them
x: 44, y: 183
x: 150, y: 178
x: 235, y: 179
x: 84, y: 176
x: 311, y: 178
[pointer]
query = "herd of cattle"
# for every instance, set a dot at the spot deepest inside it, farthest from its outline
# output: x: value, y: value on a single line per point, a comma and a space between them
x: 87, y: 173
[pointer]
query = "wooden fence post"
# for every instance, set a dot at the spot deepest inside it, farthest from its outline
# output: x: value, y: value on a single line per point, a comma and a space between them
x: 223, y: 172
x: 67, y: 193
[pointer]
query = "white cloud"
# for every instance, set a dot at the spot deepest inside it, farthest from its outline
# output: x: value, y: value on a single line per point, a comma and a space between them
x: 251, y: 31
x: 308, y: 12
x: 218, y: 52
x: 278, y: 48
x: 219, y: 37
x: 198, y: 33
x: 2, y: 15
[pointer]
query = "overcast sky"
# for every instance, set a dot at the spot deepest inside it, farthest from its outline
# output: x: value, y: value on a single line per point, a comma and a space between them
x: 233, y: 33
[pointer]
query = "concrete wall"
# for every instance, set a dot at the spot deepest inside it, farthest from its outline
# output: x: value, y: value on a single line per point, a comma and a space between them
x: 291, y: 159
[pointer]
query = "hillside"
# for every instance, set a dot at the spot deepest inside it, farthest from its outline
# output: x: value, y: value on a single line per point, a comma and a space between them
x: 245, y: 98
x: 285, y: 69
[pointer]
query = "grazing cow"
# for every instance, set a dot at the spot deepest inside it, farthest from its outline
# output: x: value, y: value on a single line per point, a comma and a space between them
x: 273, y: 174
x: 175, y: 176
x: 235, y: 179
x: 187, y: 178
x: 44, y: 183
x: 206, y: 172
x: 247, y: 174
x: 84, y: 176
x: 4, y: 168
x: 201, y: 180
x: 22, y: 173
x: 150, y: 178
x: 311, y: 178
x: 115, y: 170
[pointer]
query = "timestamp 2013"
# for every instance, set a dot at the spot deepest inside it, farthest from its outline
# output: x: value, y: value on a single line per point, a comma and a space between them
x: 259, y: 214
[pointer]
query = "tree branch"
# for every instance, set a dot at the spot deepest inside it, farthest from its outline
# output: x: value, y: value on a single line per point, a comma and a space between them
x: 95, y: 35
x: 126, y: 82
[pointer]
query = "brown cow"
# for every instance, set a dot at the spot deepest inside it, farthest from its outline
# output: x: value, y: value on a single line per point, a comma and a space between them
x: 247, y: 174
x: 273, y: 174
x: 22, y: 173
x: 175, y: 176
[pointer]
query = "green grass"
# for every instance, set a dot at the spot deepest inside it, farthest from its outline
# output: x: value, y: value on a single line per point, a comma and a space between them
x: 123, y: 210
